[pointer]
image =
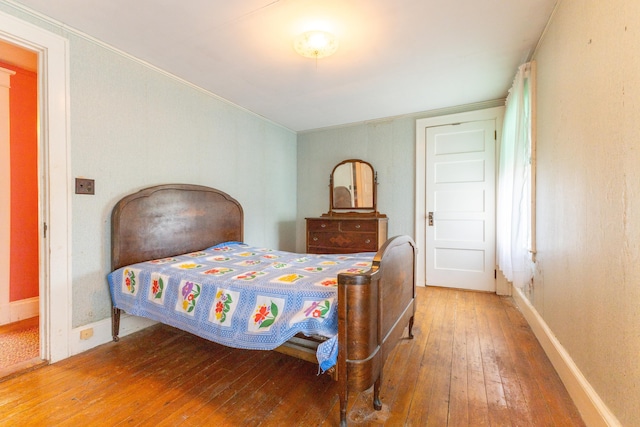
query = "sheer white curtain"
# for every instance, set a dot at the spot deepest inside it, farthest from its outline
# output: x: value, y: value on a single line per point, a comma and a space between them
x: 514, y: 216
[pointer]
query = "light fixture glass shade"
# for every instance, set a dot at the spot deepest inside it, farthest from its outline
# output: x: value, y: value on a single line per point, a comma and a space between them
x: 316, y: 44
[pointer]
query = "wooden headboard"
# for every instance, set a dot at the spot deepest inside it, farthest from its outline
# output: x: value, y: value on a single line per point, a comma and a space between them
x: 172, y: 219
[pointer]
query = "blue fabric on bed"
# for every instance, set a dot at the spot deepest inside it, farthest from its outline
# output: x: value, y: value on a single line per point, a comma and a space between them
x: 327, y: 353
x: 239, y: 295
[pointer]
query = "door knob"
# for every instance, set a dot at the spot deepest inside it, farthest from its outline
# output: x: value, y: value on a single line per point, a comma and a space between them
x: 430, y: 217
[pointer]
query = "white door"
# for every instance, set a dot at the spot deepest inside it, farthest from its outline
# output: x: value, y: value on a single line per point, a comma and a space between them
x: 5, y: 195
x: 55, y: 251
x: 460, y: 205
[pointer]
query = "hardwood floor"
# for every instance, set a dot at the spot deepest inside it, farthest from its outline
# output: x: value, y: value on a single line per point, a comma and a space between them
x: 474, y: 361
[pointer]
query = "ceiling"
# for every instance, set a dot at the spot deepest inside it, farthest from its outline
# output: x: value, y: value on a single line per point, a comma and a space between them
x: 395, y: 57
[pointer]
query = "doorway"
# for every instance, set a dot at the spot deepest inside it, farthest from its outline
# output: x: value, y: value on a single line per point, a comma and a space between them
x: 19, y: 197
x: 455, y: 199
x: 54, y: 222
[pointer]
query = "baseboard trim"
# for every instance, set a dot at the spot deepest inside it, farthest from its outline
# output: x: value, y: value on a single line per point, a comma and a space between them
x: 102, y: 332
x: 593, y: 410
x: 24, y: 309
x: 20, y: 310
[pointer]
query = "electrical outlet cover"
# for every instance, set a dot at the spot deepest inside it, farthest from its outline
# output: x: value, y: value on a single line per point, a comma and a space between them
x: 85, y: 186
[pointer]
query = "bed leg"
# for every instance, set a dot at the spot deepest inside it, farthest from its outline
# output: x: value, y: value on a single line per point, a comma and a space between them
x: 115, y: 323
x: 377, y: 404
x: 343, y: 410
x: 411, y: 328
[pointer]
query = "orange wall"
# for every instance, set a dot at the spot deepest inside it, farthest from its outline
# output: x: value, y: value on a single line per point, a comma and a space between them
x: 24, y: 184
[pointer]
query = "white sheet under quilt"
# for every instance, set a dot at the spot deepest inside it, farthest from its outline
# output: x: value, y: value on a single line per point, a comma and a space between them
x: 239, y: 295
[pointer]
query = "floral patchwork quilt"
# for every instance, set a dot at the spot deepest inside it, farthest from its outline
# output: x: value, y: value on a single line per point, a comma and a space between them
x: 239, y: 295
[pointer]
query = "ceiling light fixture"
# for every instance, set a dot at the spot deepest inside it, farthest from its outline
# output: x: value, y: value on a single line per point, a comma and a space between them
x: 315, y: 44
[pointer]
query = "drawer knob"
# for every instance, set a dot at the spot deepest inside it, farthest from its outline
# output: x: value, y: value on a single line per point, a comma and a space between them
x: 357, y: 225
x: 323, y: 225
x: 315, y: 239
x: 368, y: 241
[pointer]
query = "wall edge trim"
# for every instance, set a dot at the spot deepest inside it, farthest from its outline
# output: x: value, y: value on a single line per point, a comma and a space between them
x: 102, y: 332
x: 593, y: 410
x: 24, y: 309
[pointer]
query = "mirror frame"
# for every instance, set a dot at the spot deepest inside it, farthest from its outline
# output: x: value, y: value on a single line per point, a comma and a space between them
x: 374, y: 185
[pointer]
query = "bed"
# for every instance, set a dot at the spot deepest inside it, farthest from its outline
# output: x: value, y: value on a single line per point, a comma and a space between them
x: 371, y: 305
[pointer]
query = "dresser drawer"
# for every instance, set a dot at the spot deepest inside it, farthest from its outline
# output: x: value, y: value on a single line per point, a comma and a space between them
x: 345, y: 235
x: 357, y: 242
x: 322, y: 225
x: 359, y: 226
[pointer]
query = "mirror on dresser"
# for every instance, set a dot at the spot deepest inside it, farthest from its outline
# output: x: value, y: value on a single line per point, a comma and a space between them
x: 352, y: 186
x: 353, y: 223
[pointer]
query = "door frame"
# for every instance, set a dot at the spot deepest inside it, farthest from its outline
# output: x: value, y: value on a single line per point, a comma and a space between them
x: 55, y: 181
x: 495, y: 113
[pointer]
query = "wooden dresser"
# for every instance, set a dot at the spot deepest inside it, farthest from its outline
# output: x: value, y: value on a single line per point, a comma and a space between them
x: 345, y: 234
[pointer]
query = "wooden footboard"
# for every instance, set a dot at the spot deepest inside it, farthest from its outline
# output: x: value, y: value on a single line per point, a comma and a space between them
x: 374, y: 308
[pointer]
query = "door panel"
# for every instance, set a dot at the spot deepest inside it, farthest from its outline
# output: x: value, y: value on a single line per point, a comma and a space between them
x: 460, y: 171
x: 459, y: 260
x: 460, y: 193
x: 458, y: 201
x: 462, y: 231
x: 459, y: 142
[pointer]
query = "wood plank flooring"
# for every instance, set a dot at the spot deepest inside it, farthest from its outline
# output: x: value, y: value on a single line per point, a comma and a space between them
x: 474, y: 361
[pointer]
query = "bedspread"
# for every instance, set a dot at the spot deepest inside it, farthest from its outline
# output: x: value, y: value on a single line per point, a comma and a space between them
x: 239, y: 295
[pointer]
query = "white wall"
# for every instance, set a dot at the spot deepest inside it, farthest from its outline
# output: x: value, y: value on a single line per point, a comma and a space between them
x: 133, y: 126
x: 587, y: 287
